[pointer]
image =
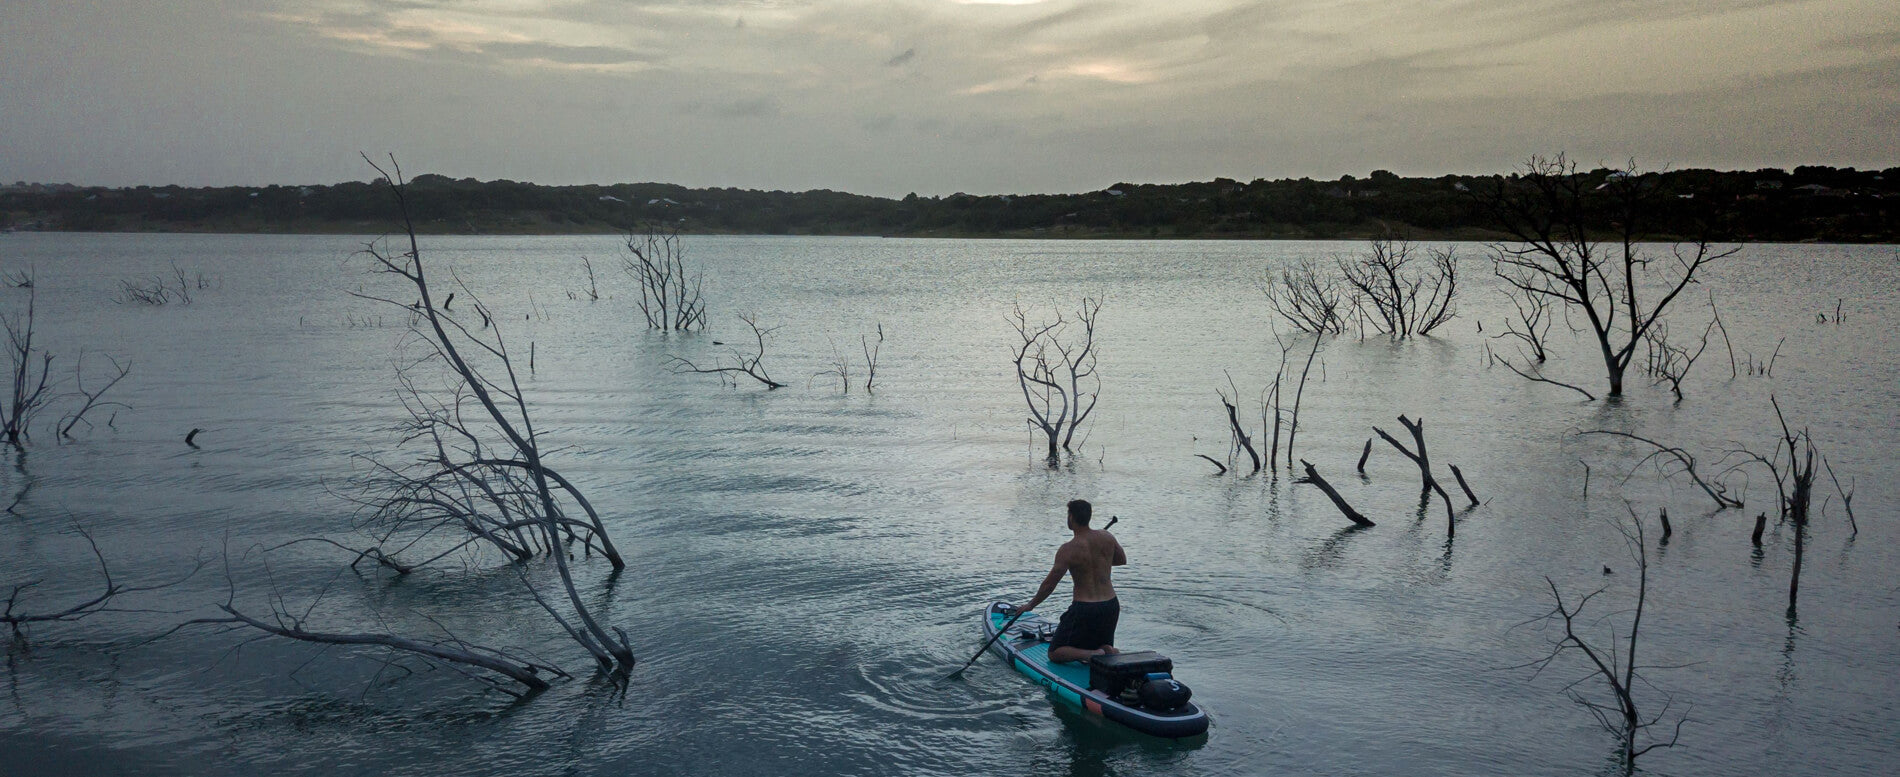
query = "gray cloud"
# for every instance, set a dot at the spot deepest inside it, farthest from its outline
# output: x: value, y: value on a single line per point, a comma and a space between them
x: 1050, y: 96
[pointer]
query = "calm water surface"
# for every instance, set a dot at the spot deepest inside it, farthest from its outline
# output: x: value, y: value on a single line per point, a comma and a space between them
x: 805, y: 565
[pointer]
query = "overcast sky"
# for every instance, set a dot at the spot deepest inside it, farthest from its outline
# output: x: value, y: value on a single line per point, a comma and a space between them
x: 933, y: 96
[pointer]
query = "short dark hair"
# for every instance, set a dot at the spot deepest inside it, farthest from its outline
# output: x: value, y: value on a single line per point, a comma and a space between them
x: 1079, y: 511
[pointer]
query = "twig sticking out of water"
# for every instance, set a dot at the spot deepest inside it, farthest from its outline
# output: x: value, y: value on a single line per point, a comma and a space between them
x: 1312, y: 476
x: 1423, y: 459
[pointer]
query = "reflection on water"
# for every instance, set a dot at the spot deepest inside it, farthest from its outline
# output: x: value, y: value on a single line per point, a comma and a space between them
x: 804, y: 566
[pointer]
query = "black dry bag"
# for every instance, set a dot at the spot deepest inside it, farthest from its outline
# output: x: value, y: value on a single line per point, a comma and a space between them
x: 1164, y: 694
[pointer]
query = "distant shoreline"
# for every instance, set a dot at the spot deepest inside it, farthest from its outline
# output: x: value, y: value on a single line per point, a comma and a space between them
x: 1809, y: 204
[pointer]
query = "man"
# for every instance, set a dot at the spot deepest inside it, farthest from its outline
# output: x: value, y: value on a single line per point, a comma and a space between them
x: 1088, y: 627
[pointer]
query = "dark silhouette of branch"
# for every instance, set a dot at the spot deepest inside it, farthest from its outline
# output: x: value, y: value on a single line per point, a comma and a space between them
x: 1215, y: 462
x: 871, y: 349
x: 1615, y: 665
x: 1422, y: 458
x: 1716, y: 491
x: 1541, y: 379
x: 1238, y: 431
x: 1308, y: 298
x: 15, y: 617
x: 750, y: 365
x: 30, y: 374
x: 92, y: 397
x: 1299, y: 393
x: 1312, y: 476
x: 528, y: 503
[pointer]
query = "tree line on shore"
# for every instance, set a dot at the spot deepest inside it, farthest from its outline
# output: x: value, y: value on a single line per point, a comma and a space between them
x: 1810, y: 203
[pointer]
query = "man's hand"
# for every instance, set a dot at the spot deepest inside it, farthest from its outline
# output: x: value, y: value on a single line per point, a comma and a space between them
x: 1013, y: 610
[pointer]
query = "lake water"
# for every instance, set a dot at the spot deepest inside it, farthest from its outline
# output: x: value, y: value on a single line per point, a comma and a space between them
x: 804, y: 565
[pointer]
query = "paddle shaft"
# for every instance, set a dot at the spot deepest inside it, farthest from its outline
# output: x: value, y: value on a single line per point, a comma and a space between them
x: 986, y: 646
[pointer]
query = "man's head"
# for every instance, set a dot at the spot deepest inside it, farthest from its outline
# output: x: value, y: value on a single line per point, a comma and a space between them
x: 1079, y: 512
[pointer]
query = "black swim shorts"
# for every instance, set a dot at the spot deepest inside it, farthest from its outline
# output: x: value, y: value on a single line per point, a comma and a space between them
x: 1087, y: 625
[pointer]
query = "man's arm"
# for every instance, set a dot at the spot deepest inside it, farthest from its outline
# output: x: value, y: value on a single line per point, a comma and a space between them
x: 1049, y: 583
x: 1121, y: 559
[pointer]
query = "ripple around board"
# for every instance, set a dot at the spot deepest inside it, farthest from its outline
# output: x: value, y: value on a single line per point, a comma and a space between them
x: 919, y: 690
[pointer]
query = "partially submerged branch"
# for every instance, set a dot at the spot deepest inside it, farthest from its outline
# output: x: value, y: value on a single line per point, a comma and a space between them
x: 1312, y: 476
x: 1618, y: 710
x: 15, y: 616
x: 1716, y: 491
x: 750, y: 365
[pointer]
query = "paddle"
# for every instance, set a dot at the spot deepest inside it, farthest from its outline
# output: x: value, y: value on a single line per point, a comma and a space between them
x: 986, y: 646
x: 1011, y: 622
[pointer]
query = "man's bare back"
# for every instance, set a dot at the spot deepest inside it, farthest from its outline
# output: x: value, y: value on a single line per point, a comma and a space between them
x: 1090, y: 557
x: 1088, y: 627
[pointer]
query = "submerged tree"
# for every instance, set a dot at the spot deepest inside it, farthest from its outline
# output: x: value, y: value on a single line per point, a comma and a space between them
x: 738, y: 362
x: 669, y: 290
x: 1612, y: 662
x: 1055, y: 368
x: 1622, y: 289
x: 1398, y: 297
x: 483, y: 469
x: 1310, y: 297
x: 29, y: 376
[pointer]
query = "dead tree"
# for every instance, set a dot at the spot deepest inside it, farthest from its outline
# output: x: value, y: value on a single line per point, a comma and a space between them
x: 1715, y: 315
x: 593, y: 285
x: 669, y: 291
x: 871, y: 349
x: 1552, y: 213
x: 495, y: 434
x: 840, y: 366
x: 94, y: 400
x: 31, y: 374
x: 1404, y: 301
x: 741, y: 363
x: 1273, y: 399
x: 1238, y: 431
x: 1717, y: 490
x: 1616, y: 708
x: 1299, y: 393
x: 1056, y: 370
x: 1791, y: 467
x: 1309, y: 298
x: 1422, y: 458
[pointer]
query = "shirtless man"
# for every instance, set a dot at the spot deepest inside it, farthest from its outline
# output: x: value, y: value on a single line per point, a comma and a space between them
x: 1088, y: 627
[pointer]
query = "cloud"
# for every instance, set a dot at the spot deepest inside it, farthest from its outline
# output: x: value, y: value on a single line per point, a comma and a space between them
x: 796, y: 93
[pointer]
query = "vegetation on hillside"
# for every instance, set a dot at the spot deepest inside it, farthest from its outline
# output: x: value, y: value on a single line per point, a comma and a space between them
x: 1809, y: 203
